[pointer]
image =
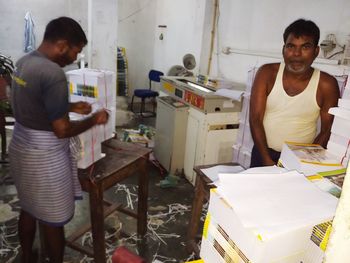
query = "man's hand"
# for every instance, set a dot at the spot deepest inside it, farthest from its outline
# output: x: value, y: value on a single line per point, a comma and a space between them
x: 101, y: 117
x: 64, y: 128
x: 80, y: 107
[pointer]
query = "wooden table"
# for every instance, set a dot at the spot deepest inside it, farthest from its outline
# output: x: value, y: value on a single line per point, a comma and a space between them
x: 201, y: 195
x: 121, y: 161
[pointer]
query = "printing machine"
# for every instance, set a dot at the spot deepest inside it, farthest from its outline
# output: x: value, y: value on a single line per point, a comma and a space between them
x: 194, y: 125
x: 199, y: 96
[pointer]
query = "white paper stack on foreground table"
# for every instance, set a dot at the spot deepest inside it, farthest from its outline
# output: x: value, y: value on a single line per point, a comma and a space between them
x: 264, y: 218
x: 96, y: 87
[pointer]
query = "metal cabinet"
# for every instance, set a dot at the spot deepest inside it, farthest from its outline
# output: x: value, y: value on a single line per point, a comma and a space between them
x: 171, y: 127
x: 209, y: 139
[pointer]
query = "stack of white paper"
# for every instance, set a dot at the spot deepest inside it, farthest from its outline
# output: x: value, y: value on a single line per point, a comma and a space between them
x: 308, y: 159
x: 263, y: 218
x: 213, y: 172
x: 95, y: 87
x: 339, y: 142
x: 344, y: 86
x: 276, y: 199
x: 244, y: 143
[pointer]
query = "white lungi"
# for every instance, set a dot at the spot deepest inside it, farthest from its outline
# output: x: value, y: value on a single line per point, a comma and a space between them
x: 45, y: 174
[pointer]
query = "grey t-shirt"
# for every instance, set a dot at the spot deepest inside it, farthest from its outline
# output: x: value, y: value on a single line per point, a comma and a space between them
x: 39, y: 92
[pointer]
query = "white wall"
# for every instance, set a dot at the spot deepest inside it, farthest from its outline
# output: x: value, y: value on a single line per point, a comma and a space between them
x: 184, y: 20
x: 139, y: 32
x: 258, y: 25
x: 136, y: 29
x: 254, y: 26
x: 104, y: 15
x: 104, y: 27
x: 12, y: 22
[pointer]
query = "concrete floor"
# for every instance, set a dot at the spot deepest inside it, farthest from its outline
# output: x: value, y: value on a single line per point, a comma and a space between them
x: 168, y: 216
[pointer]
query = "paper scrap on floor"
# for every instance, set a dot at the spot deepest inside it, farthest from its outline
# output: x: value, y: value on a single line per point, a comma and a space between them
x: 271, y: 201
x: 6, y: 213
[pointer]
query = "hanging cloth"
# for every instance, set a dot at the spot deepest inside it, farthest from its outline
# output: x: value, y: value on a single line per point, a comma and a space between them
x: 29, y: 37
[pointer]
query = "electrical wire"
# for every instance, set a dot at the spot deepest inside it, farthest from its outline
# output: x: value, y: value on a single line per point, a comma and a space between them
x: 135, y: 12
x: 334, y: 39
x: 217, y: 24
x: 336, y: 53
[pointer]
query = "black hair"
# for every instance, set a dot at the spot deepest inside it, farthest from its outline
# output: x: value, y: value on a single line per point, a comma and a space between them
x: 65, y: 28
x: 302, y: 27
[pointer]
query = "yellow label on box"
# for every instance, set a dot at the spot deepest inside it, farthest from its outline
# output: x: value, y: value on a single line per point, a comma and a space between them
x: 169, y: 87
x: 206, y: 225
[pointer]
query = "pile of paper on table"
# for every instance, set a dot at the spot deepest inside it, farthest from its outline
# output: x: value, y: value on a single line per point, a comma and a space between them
x: 330, y: 181
x: 215, y: 82
x: 308, y: 159
x: 95, y: 87
x: 339, y: 142
x: 243, y: 145
x: 344, y: 89
x: 266, y: 218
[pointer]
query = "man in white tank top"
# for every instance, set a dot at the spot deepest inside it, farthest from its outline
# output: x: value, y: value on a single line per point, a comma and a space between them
x: 287, y: 98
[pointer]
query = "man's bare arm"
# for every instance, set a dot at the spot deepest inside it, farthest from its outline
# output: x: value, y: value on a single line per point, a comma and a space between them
x: 327, y: 97
x: 65, y: 128
x: 257, y: 111
x: 81, y: 107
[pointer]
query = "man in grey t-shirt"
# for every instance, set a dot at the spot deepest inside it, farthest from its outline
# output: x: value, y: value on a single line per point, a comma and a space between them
x: 40, y: 158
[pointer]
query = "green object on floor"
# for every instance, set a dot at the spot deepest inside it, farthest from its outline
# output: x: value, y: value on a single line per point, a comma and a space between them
x: 169, y: 181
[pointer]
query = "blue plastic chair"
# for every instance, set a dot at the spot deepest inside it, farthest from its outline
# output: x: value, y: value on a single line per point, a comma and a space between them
x: 143, y: 94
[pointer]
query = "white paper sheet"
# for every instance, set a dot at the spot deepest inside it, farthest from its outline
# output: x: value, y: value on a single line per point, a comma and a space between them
x: 230, y: 93
x: 272, y: 200
x: 265, y: 170
x: 213, y: 172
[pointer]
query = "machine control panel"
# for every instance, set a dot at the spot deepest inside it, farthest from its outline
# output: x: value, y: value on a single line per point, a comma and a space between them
x: 198, y: 96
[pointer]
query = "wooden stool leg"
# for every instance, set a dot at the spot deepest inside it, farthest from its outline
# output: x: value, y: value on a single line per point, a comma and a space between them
x: 3, y: 135
x: 142, y: 199
x: 97, y: 224
x: 196, y: 212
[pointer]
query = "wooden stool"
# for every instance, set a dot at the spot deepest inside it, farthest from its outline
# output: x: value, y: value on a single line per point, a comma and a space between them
x: 121, y: 161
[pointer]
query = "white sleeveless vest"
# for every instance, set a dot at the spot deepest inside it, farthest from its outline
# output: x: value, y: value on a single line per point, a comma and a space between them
x: 291, y: 118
